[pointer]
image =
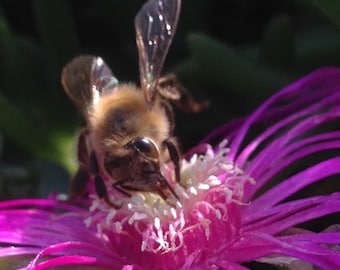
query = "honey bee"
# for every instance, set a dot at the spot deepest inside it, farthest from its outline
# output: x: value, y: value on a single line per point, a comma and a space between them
x: 129, y: 130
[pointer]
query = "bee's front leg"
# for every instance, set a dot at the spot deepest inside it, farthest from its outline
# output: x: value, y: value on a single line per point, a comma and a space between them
x: 174, y: 156
x: 98, y: 180
x: 119, y: 185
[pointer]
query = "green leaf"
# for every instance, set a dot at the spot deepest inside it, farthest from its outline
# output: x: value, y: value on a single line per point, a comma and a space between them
x: 278, y: 43
x: 7, y: 52
x: 42, y: 144
x: 316, y: 48
x: 222, y: 64
x: 56, y: 29
x: 14, y: 124
x: 21, y: 71
x: 330, y: 8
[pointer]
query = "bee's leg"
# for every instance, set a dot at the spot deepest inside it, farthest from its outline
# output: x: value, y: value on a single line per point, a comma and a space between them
x: 164, y: 188
x: 79, y: 182
x: 170, y: 115
x: 98, y: 181
x: 119, y: 185
x: 174, y: 156
x: 177, y: 94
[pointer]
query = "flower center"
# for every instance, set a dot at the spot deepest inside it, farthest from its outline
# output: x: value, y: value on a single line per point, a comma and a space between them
x: 209, y: 184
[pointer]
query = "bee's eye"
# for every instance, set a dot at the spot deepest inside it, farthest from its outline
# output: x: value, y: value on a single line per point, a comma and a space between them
x: 143, y: 145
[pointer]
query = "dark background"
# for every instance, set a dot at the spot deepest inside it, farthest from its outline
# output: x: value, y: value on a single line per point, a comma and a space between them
x: 234, y: 53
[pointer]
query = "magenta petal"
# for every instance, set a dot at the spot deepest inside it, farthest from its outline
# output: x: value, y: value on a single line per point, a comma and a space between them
x: 308, y: 118
x: 284, y: 210
x: 293, y: 213
x: 297, y: 182
x: 259, y: 245
x: 12, y: 251
x: 133, y: 267
x: 42, y: 203
x: 274, y: 154
x: 317, y: 238
x: 293, y: 153
x: 312, y: 88
x: 69, y: 260
x: 79, y: 248
x: 38, y: 223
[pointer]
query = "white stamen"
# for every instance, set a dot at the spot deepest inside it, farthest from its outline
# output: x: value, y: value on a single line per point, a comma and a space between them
x: 226, y: 167
x: 94, y: 205
x: 218, y: 214
x: 193, y: 190
x: 223, y: 144
x: 110, y: 216
x: 143, y: 246
x: 213, y: 181
x: 137, y: 217
x: 100, y: 228
x: 173, y: 213
x: 118, y: 227
x: 88, y: 221
x: 157, y: 223
x: 202, y: 186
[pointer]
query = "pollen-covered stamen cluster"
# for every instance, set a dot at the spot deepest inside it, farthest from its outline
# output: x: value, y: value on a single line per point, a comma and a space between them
x: 209, y: 183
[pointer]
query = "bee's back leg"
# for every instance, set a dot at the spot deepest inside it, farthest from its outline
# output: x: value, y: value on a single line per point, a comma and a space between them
x: 169, y: 88
x: 98, y: 181
x: 79, y: 182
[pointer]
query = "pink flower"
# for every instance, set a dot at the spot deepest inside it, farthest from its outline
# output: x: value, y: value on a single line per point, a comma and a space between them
x: 240, y: 201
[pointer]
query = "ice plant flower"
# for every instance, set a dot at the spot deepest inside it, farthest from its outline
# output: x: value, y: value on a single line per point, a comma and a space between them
x: 240, y: 200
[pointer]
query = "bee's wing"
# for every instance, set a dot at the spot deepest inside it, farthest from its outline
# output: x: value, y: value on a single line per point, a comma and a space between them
x: 85, y: 79
x: 155, y: 27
